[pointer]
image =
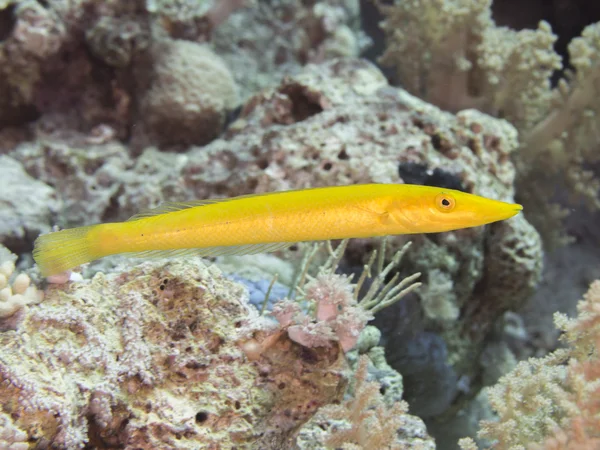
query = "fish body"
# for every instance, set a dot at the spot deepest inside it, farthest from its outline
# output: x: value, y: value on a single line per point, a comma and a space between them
x: 266, y: 222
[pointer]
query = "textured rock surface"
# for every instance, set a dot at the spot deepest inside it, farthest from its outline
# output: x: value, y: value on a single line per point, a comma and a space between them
x: 27, y: 206
x: 190, y: 93
x: 149, y: 358
x: 163, y: 355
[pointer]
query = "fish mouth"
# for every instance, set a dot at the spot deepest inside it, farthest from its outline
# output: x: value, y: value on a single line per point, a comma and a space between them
x: 508, y: 211
x: 516, y: 209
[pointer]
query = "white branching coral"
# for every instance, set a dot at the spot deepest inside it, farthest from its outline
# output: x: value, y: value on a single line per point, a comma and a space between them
x: 364, y: 421
x: 452, y: 54
x: 552, y: 402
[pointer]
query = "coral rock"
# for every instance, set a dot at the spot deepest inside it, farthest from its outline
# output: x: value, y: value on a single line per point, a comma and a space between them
x: 150, y: 357
x: 191, y: 91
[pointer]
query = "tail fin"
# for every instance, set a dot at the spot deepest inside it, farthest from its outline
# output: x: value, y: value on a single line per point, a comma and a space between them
x: 56, y: 252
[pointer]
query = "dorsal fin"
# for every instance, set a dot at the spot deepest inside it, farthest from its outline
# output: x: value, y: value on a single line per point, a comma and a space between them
x: 169, y: 207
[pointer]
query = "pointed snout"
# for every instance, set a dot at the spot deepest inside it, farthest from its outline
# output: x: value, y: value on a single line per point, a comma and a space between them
x: 490, y: 211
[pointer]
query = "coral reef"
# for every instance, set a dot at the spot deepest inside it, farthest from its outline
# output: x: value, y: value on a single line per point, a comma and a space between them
x: 160, y: 355
x: 304, y: 133
x: 108, y: 108
x: 452, y: 54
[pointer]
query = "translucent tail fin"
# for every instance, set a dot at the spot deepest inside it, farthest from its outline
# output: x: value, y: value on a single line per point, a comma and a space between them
x: 56, y: 252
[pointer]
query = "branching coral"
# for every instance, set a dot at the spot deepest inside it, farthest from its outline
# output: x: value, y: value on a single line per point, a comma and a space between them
x: 371, y: 424
x: 365, y: 421
x: 547, y: 404
x: 337, y: 313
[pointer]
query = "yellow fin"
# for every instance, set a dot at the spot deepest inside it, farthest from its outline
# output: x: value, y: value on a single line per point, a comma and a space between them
x: 62, y: 250
x: 169, y: 207
x: 250, y: 249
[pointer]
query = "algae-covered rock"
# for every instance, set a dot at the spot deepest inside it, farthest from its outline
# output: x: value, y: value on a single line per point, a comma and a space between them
x: 150, y: 357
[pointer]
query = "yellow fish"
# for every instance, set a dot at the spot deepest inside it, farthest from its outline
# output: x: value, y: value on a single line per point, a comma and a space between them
x: 267, y: 222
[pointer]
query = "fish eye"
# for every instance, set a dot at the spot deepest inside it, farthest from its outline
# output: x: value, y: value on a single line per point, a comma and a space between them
x: 445, y: 202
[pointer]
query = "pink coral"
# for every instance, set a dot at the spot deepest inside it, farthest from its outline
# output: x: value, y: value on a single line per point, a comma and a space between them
x: 338, y: 315
x: 331, y: 294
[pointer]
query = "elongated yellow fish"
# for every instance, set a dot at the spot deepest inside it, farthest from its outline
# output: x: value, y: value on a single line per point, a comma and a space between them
x: 267, y: 222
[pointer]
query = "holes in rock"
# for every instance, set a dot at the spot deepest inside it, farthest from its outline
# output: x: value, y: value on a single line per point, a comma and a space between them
x: 419, y: 173
x: 343, y: 155
x: 304, y: 103
x: 7, y: 22
x: 163, y: 284
x: 201, y: 417
x: 436, y: 141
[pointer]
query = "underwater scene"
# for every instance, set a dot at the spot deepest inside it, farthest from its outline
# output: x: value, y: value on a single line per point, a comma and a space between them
x: 299, y: 224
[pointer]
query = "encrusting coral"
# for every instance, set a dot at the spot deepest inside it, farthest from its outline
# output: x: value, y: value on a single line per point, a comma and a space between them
x: 150, y: 357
